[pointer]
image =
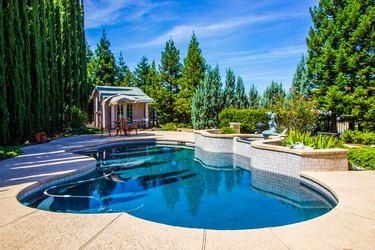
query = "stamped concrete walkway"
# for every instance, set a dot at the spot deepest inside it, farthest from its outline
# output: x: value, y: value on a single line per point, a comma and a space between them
x: 351, y: 225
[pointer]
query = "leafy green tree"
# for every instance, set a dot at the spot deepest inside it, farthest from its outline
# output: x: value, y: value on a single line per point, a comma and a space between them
x: 301, y: 83
x: 192, y: 75
x: 208, y: 101
x: 230, y: 89
x: 141, y: 72
x: 254, y: 97
x: 105, y: 62
x: 272, y: 94
x: 341, y: 57
x: 170, y: 73
x: 121, y: 69
x: 241, y: 99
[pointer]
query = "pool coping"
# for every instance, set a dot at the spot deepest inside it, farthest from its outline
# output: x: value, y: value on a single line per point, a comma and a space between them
x: 349, y: 225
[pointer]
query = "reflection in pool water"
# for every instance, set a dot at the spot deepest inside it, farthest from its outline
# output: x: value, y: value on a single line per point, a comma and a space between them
x: 185, y: 187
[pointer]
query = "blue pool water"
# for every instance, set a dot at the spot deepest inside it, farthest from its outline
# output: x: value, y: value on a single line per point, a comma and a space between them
x: 176, y: 186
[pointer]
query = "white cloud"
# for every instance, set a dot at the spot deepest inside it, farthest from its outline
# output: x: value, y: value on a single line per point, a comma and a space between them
x: 263, y: 55
x: 99, y: 13
x: 207, y: 30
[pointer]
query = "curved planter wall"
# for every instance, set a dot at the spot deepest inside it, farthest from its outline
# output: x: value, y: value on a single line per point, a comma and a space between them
x: 267, y: 156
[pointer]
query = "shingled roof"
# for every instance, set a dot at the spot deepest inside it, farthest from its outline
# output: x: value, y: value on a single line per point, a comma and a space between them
x: 108, y: 91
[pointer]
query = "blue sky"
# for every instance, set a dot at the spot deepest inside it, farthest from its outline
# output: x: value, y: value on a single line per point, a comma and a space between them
x: 260, y: 40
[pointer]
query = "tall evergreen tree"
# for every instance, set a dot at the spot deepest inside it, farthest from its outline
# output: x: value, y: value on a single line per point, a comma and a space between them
x: 121, y: 69
x: 4, y: 114
x: 105, y: 62
x: 254, y: 97
x: 208, y: 101
x: 241, y: 99
x: 230, y: 89
x: 140, y: 73
x: 272, y: 94
x: 192, y: 75
x: 301, y: 83
x: 170, y: 73
x: 341, y: 57
x: 14, y: 69
x: 155, y: 90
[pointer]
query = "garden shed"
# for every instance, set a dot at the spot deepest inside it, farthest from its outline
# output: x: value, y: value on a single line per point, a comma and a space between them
x: 113, y: 103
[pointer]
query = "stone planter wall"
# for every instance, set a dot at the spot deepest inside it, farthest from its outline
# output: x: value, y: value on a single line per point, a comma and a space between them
x: 267, y: 155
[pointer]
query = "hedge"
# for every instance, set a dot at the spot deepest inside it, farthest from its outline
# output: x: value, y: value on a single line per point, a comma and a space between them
x: 247, y: 117
x: 355, y: 136
x: 363, y: 157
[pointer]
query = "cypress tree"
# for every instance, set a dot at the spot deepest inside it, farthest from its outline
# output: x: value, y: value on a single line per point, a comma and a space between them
x: 4, y: 114
x: 241, y: 99
x: 84, y: 86
x: 67, y: 59
x: 45, y: 108
x: 229, y: 92
x: 36, y: 72
x: 14, y: 70
x: 75, y: 59
x: 155, y: 90
x: 28, y: 119
x: 59, y: 66
x: 52, y: 59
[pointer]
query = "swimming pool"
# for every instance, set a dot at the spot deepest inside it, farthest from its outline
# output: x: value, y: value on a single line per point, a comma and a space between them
x: 185, y: 187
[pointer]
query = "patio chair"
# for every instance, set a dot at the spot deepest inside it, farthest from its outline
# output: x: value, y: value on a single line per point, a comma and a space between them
x: 133, y: 126
x: 122, y: 125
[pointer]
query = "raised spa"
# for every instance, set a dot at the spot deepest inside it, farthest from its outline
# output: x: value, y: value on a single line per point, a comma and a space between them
x: 185, y: 187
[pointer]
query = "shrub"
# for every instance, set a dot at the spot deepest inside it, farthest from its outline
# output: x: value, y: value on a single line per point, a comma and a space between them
x: 247, y: 117
x: 316, y: 142
x: 296, y: 113
x: 78, y: 117
x: 9, y: 152
x: 228, y: 130
x: 169, y: 127
x: 355, y: 136
x: 363, y: 156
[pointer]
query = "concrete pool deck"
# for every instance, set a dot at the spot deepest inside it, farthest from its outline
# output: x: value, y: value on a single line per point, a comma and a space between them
x: 350, y: 225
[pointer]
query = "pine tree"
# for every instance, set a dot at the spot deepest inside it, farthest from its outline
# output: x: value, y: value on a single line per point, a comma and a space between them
x: 192, y: 75
x: 301, y: 84
x: 170, y: 73
x: 254, y: 97
x: 4, y: 114
x: 241, y: 99
x: 105, y: 62
x: 272, y: 94
x: 340, y: 57
x: 155, y: 90
x: 140, y: 73
x: 121, y: 70
x: 230, y: 91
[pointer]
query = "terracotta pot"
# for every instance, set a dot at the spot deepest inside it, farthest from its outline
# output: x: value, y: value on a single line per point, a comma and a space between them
x: 37, y: 137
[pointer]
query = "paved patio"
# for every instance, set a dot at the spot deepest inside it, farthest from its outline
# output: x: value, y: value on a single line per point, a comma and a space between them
x: 350, y: 225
